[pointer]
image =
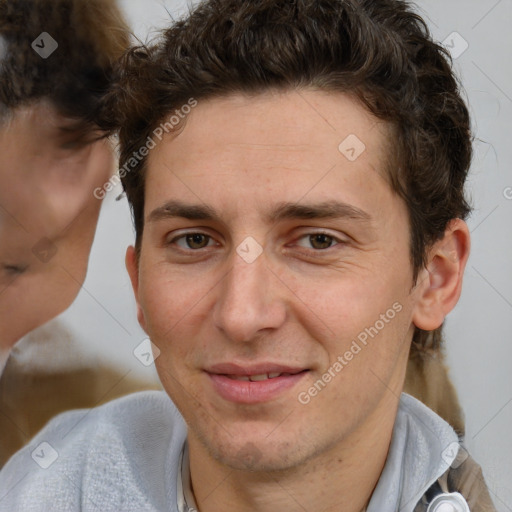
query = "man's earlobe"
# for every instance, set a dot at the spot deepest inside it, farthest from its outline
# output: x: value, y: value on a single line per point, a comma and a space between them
x: 132, y: 266
x: 439, y: 284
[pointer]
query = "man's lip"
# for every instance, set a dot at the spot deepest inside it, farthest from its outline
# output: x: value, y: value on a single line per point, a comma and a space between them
x: 255, y: 384
x: 252, y: 369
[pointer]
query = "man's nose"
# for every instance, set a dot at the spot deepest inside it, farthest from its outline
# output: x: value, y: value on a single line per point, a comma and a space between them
x: 250, y: 301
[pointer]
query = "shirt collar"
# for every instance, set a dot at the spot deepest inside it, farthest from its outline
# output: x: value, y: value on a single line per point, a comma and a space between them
x: 185, y: 498
x: 423, y: 446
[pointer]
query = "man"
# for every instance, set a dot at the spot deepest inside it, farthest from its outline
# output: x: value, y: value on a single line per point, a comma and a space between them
x: 296, y: 172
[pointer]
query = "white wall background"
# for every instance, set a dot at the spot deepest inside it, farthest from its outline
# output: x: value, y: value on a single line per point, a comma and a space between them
x: 479, y: 329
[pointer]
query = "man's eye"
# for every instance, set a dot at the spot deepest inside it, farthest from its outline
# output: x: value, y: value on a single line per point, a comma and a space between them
x: 75, y: 145
x: 14, y: 270
x: 192, y: 241
x: 317, y: 241
x: 79, y: 142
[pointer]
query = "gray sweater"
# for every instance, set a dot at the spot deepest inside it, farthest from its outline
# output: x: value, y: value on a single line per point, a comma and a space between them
x: 124, y: 456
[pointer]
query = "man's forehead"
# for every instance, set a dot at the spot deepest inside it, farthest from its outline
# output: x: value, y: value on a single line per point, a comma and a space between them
x: 271, y: 163
x: 276, y: 122
x: 294, y: 127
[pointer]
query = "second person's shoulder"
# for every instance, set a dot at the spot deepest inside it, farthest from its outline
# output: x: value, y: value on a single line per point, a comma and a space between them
x: 108, y: 451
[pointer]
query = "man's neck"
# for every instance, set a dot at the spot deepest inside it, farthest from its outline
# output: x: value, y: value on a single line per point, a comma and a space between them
x: 342, y: 478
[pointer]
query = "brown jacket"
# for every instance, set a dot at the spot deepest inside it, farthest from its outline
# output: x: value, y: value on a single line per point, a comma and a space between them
x: 465, y: 476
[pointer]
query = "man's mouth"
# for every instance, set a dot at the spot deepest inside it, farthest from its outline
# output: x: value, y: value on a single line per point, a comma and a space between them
x: 260, y: 377
x: 256, y: 383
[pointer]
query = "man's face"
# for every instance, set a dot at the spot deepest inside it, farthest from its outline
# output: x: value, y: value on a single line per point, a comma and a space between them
x: 48, y: 214
x: 267, y: 169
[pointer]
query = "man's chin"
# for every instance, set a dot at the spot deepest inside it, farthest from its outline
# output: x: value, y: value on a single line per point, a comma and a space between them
x: 251, y: 457
x: 257, y: 455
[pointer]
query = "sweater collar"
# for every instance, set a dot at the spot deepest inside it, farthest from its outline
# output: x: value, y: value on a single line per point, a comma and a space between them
x: 422, y: 448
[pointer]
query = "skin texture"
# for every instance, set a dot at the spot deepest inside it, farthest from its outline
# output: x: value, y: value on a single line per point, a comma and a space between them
x: 296, y: 304
x: 48, y: 215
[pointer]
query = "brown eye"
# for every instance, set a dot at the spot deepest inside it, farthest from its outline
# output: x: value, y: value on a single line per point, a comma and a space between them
x: 191, y: 241
x: 320, y: 241
x: 197, y: 240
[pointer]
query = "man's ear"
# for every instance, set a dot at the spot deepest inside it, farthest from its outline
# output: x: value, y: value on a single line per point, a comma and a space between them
x: 132, y: 265
x: 439, y: 285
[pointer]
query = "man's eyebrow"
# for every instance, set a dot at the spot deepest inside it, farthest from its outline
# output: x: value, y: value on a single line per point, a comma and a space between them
x: 323, y: 210
x: 176, y: 208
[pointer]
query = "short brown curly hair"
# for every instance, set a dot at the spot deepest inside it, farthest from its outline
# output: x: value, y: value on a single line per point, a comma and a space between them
x: 379, y: 51
x: 91, y: 36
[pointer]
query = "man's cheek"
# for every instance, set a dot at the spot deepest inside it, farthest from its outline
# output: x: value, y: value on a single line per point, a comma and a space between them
x: 161, y: 302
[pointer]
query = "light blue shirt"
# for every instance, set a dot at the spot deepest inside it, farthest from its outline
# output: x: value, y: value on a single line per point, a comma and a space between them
x: 126, y: 456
